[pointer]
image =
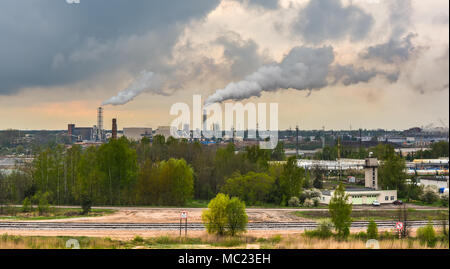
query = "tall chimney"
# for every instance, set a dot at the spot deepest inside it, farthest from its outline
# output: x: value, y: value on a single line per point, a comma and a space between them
x: 100, y: 123
x: 70, y: 129
x: 114, y: 129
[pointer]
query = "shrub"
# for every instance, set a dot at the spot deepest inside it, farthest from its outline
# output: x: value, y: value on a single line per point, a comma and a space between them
x: 294, y: 202
x: 316, y: 201
x: 26, y: 205
x: 444, y: 199
x: 427, y: 235
x: 138, y: 239
x: 362, y: 235
x: 322, y: 231
x: 429, y: 195
x: 372, y: 230
x: 308, y: 203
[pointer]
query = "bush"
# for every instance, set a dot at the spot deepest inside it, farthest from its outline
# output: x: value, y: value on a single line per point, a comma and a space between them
x: 26, y: 205
x: 225, y: 215
x: 427, y: 235
x: 372, y: 230
x: 294, y: 202
x: 316, y: 201
x: 308, y: 203
x: 323, y: 231
x: 429, y: 195
x: 362, y: 236
x: 444, y: 199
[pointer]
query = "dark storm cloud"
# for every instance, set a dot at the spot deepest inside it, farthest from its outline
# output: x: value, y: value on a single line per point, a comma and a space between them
x: 47, y: 43
x: 400, y: 46
x: 242, y: 54
x: 392, y: 51
x: 323, y: 20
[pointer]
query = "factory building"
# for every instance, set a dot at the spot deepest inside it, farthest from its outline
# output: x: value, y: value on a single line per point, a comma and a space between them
x: 164, y: 131
x: 137, y: 133
x: 371, y: 192
x: 77, y: 134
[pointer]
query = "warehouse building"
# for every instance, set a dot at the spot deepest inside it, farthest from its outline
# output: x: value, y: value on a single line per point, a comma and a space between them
x: 370, y: 193
x: 137, y: 133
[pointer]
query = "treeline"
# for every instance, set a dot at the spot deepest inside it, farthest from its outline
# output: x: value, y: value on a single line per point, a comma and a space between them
x: 122, y: 172
x: 438, y: 149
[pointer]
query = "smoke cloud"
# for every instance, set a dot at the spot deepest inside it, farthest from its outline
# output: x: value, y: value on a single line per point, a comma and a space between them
x: 304, y: 68
x: 147, y: 81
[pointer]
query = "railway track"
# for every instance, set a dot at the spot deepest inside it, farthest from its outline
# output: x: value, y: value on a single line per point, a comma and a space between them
x: 190, y: 226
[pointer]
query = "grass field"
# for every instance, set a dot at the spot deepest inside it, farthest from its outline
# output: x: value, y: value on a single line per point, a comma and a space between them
x: 296, y: 241
x: 365, y: 215
x: 15, y: 213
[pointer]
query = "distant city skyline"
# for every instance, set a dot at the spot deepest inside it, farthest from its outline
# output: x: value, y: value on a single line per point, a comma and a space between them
x: 333, y: 63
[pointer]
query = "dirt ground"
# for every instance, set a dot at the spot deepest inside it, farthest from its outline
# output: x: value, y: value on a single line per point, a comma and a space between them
x: 168, y: 215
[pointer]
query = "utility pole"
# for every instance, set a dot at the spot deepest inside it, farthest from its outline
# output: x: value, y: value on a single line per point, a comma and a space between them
x: 339, y: 156
x: 296, y: 139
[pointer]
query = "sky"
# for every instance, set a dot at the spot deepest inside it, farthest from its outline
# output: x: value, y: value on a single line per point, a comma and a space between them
x: 336, y: 64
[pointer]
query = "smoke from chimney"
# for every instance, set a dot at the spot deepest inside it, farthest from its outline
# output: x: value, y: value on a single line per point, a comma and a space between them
x: 304, y: 68
x: 147, y: 81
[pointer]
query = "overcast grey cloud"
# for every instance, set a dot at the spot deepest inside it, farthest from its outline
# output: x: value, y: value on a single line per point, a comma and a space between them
x: 242, y: 54
x: 323, y: 20
x: 48, y: 43
x: 395, y: 50
x: 399, y: 46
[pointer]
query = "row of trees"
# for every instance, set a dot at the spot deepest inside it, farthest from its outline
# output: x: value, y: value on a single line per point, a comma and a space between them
x: 122, y: 172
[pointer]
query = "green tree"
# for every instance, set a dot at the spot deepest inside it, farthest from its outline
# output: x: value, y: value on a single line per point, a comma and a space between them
x: 236, y: 215
x: 253, y: 188
x: 176, y: 182
x: 392, y: 174
x: 215, y: 217
x: 372, y: 230
x: 291, y: 180
x: 278, y: 152
x: 318, y: 175
x: 427, y: 235
x: 340, y: 211
x: 26, y: 205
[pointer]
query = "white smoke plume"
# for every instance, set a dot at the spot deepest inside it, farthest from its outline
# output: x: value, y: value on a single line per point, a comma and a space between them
x: 304, y: 68
x: 147, y: 81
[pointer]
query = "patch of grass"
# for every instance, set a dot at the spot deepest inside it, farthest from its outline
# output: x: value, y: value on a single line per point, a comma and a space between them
x: 54, y: 242
x: 298, y: 241
x: 229, y: 242
x: 366, y: 215
x: 15, y: 213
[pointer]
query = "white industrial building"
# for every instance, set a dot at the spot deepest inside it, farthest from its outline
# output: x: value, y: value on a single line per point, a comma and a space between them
x: 371, y: 192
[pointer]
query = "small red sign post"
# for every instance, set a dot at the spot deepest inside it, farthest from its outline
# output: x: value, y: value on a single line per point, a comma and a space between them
x: 399, y: 227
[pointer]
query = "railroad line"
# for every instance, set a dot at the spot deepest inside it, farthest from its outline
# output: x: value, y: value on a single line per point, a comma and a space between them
x: 190, y: 226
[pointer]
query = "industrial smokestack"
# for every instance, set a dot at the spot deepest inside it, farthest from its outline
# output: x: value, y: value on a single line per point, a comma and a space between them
x: 114, y: 129
x: 100, y: 123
